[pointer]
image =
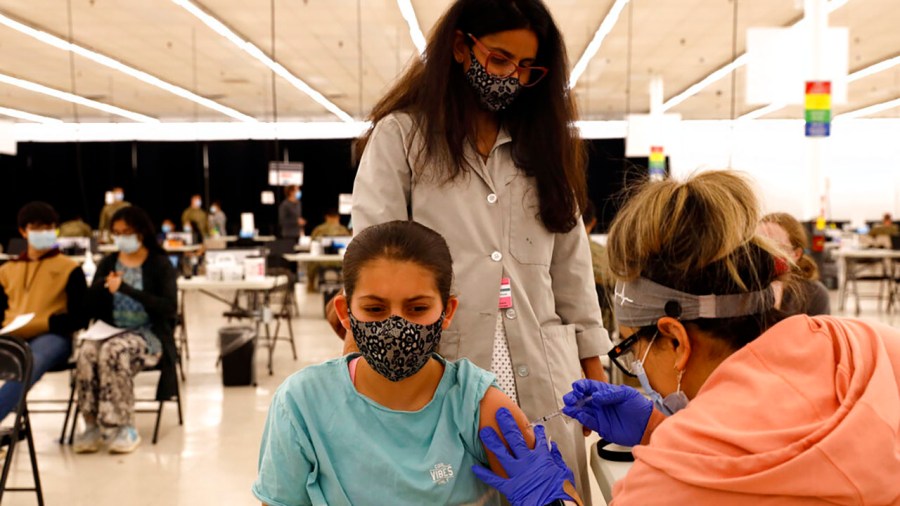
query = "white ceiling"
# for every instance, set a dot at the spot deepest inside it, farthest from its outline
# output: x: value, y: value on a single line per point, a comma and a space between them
x: 351, y: 50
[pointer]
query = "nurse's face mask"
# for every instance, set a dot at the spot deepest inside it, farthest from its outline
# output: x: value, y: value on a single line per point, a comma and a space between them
x: 396, y: 348
x: 668, y: 405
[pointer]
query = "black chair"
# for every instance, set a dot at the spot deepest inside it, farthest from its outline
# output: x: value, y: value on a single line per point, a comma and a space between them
x: 157, y: 410
x: 16, y: 365
x: 68, y: 367
x: 16, y: 246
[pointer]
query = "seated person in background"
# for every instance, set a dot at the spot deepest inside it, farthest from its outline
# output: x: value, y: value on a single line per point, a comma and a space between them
x: 48, y: 284
x: 195, y: 215
x: 75, y: 228
x: 811, y: 296
x: 166, y: 227
x: 600, y: 260
x: 331, y: 228
x: 883, y: 232
x: 116, y: 201
x: 134, y: 289
x: 402, y: 423
x: 217, y: 219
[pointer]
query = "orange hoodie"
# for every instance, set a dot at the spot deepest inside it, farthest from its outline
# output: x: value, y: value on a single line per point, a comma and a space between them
x: 808, y: 413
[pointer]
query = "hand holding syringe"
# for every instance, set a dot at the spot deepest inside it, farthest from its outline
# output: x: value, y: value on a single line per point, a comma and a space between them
x: 540, y: 421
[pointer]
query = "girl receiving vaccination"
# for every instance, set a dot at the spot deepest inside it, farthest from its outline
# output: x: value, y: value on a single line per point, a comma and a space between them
x: 396, y: 423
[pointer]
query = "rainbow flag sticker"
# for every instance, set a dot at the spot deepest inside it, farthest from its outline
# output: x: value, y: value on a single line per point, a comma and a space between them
x: 818, y: 108
x: 657, y: 163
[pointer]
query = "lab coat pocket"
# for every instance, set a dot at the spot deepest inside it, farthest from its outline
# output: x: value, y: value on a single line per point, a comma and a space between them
x: 561, y: 350
x: 530, y: 243
x: 449, y: 347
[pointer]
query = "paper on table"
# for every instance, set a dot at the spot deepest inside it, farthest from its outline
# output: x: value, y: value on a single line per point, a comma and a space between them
x: 17, y: 323
x: 100, y: 331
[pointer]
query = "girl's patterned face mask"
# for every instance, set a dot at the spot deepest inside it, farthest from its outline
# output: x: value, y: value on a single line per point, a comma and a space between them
x: 396, y: 348
x: 495, y: 93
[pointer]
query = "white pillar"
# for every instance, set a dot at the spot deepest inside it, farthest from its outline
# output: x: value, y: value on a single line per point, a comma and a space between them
x: 816, y: 23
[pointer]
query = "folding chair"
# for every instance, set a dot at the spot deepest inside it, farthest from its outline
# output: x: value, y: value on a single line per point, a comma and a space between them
x: 15, y: 365
x: 160, y: 366
x: 69, y: 367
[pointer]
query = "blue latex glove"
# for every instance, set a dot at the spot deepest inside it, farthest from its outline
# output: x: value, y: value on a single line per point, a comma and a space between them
x: 536, y: 476
x: 618, y: 413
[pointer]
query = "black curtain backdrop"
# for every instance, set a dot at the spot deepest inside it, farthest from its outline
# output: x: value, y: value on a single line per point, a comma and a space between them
x: 162, y: 176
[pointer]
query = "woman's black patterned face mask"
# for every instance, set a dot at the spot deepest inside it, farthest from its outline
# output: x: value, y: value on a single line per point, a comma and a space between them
x: 396, y: 348
x: 494, y: 93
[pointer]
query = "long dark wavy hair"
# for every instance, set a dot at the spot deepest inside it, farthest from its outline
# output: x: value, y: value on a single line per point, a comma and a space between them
x: 540, y: 121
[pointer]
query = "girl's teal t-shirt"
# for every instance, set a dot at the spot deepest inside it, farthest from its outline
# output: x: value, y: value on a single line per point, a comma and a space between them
x: 327, y: 444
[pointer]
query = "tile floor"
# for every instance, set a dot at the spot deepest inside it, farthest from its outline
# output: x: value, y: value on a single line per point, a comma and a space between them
x: 211, y: 460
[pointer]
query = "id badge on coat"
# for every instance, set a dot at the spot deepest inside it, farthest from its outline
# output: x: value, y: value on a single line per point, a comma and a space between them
x: 505, y: 294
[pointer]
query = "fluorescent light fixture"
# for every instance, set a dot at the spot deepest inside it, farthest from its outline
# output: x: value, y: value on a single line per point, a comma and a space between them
x: 590, y: 51
x: 740, y: 61
x: 415, y: 31
x: 15, y: 113
x: 75, y: 99
x: 874, y: 69
x: 762, y: 111
x: 706, y: 81
x: 211, y: 131
x: 870, y: 110
x: 248, y: 47
x: 106, y: 61
x: 616, y: 129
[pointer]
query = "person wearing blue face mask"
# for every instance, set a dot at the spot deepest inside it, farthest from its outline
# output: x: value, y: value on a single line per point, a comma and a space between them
x: 290, y: 214
x: 134, y: 290
x: 476, y: 142
x: 755, y: 404
x: 48, y: 284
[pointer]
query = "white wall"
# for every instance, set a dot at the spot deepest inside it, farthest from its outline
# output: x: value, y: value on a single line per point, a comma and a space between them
x: 861, y: 161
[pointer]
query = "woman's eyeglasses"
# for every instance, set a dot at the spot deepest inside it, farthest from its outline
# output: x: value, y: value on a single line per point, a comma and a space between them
x: 498, y: 65
x: 622, y: 354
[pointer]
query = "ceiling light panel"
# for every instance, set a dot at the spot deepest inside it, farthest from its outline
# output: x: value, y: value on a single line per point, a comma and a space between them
x: 117, y: 65
x: 254, y: 51
x: 75, y: 99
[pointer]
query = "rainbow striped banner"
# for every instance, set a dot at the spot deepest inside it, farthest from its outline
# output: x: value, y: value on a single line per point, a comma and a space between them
x: 657, y: 163
x: 818, y: 108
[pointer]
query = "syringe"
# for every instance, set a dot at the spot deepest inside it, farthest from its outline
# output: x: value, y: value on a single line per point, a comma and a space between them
x: 581, y: 402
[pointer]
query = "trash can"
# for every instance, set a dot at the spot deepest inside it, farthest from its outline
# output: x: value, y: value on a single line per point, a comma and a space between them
x: 237, y: 352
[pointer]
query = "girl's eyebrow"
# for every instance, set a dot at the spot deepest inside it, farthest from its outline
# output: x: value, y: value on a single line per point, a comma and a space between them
x: 375, y: 298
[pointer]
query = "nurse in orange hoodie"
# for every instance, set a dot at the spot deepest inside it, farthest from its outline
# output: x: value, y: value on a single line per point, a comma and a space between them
x: 754, y: 406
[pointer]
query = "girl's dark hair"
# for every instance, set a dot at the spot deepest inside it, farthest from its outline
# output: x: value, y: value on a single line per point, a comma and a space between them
x: 699, y: 236
x: 138, y: 220
x: 401, y: 241
x: 545, y: 144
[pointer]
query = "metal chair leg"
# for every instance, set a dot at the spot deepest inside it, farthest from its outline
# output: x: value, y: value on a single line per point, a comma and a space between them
x: 62, y: 434
x: 74, y: 424
x: 34, y: 466
x: 158, y: 419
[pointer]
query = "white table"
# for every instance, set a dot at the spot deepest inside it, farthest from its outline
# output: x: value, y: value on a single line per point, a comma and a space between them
x: 258, y: 291
x: 608, y: 472
x: 112, y: 248
x: 851, y: 261
x: 260, y: 238
x: 310, y: 258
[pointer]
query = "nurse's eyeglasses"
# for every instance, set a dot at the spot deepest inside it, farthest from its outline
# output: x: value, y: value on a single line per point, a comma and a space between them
x: 622, y: 354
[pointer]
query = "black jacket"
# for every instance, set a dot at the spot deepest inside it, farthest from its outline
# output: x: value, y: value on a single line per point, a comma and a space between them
x: 159, y: 298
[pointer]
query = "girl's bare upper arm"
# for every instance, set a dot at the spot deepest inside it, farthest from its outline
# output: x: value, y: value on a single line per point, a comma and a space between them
x: 493, y: 400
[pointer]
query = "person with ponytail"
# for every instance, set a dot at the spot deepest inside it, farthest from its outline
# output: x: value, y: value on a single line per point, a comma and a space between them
x: 755, y: 406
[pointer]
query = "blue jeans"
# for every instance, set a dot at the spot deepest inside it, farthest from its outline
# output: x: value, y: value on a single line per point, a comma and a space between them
x: 48, y: 351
